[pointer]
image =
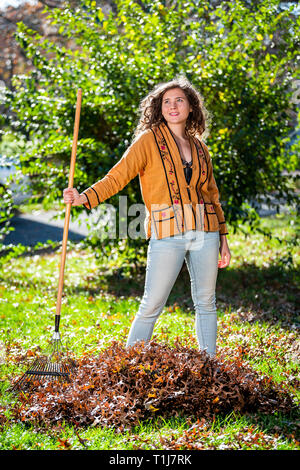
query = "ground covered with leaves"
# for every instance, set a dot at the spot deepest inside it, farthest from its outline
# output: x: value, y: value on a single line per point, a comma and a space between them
x: 165, y: 395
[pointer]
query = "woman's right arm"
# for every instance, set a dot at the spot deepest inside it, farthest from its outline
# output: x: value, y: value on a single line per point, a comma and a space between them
x: 131, y: 163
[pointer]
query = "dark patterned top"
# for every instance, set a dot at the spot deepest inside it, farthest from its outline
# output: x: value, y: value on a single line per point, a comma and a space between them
x: 187, y: 167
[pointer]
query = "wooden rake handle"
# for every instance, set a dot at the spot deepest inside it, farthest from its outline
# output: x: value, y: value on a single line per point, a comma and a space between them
x: 68, y: 211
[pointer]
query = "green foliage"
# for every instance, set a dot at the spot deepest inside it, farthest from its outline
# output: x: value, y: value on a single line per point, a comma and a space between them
x: 231, y: 53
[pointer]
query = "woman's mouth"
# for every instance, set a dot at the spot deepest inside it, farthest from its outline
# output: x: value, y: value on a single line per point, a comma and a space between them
x: 173, y: 114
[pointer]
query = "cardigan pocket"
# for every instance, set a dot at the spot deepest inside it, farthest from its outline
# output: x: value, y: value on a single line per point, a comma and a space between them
x: 164, y: 220
x: 212, y: 218
x: 213, y: 222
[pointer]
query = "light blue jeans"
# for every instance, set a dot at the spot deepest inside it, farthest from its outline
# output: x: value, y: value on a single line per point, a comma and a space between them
x: 165, y: 258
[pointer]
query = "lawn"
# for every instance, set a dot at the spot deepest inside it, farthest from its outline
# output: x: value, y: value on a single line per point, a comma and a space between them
x: 257, y: 327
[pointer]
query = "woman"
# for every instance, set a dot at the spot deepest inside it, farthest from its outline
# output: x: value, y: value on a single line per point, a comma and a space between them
x: 184, y: 218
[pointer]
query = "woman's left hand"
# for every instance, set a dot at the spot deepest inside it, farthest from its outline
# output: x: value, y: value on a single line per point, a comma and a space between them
x: 224, y: 252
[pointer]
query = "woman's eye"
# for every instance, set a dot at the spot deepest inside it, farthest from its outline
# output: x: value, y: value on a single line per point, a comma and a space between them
x: 178, y: 99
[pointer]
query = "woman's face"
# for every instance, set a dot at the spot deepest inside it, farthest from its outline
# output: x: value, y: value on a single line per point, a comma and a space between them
x: 175, y: 106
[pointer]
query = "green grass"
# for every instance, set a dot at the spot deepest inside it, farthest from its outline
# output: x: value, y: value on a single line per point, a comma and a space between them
x: 257, y: 318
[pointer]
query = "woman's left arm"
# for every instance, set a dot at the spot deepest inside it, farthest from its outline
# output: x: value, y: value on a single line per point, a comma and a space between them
x: 214, y: 195
x: 224, y: 252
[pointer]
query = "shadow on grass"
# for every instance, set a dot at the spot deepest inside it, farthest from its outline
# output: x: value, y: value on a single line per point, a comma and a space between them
x: 265, y: 294
x: 239, y: 431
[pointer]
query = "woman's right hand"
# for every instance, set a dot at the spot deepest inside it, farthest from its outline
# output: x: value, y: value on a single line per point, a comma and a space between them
x: 71, y: 195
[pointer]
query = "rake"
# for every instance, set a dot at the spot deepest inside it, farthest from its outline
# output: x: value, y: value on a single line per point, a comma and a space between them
x: 56, y: 363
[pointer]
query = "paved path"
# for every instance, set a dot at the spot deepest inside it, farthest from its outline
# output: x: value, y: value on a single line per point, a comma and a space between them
x: 40, y: 227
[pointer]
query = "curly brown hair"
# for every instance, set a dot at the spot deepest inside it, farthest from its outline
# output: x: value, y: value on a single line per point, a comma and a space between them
x: 150, y: 108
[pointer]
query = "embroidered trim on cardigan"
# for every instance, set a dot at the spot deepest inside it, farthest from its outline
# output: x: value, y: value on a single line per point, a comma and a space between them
x: 174, y: 191
x: 162, y: 163
x: 176, y: 175
x: 200, y: 150
x: 199, y: 162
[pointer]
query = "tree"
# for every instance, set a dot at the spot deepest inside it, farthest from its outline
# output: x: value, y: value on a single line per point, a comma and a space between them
x: 242, y: 59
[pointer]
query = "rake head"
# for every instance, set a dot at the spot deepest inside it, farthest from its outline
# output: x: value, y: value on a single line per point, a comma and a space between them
x: 57, y: 365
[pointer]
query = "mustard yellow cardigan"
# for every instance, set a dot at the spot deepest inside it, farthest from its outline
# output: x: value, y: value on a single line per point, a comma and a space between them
x: 172, y: 205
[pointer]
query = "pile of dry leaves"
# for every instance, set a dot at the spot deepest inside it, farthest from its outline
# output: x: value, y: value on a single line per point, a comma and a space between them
x: 120, y: 387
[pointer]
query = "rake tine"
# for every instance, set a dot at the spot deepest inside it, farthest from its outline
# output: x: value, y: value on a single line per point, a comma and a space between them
x: 52, y: 368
